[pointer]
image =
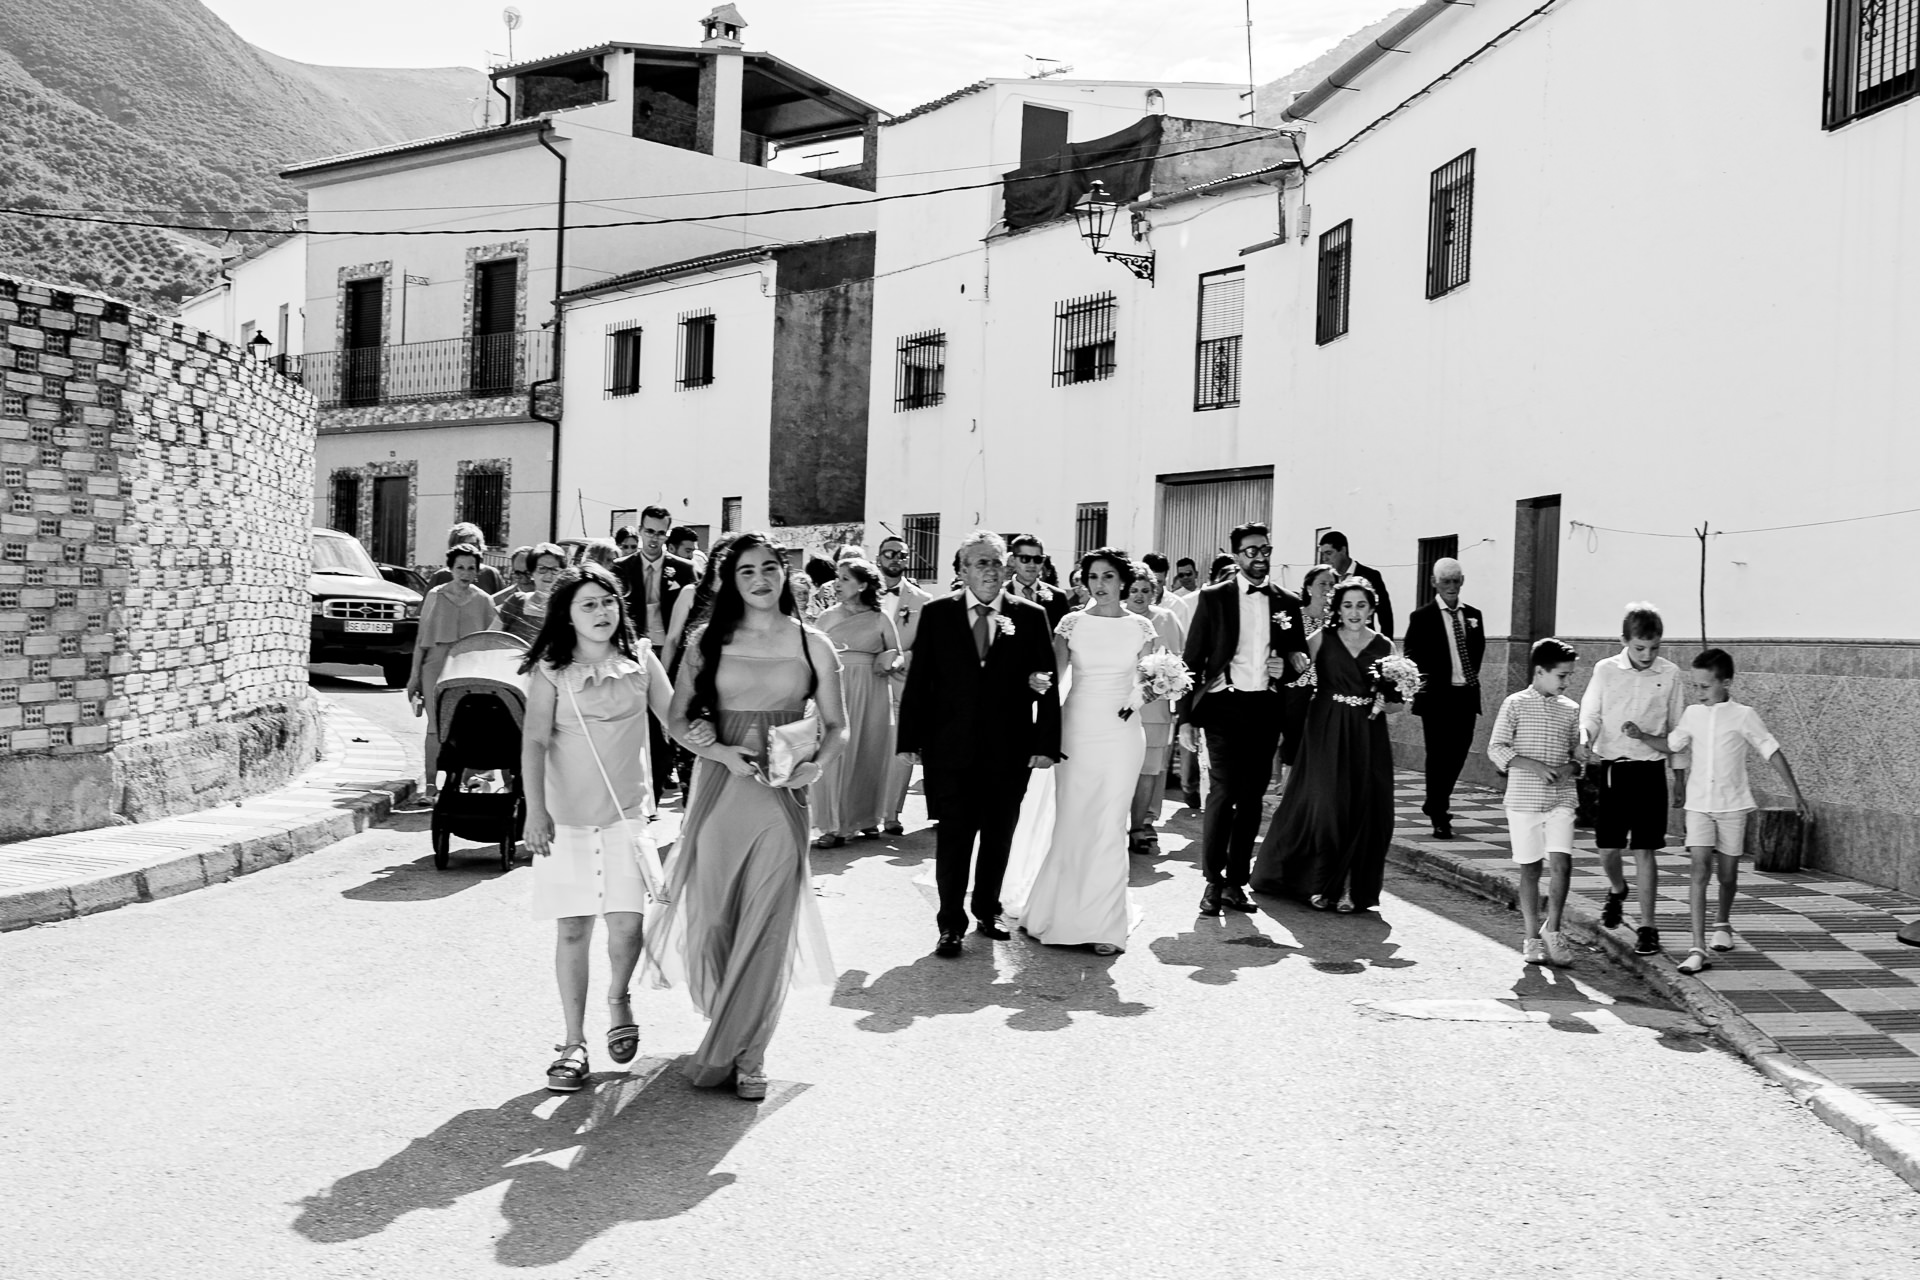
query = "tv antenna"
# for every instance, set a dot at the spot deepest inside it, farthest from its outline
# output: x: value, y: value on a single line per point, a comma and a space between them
x: 1053, y: 67
x: 511, y: 16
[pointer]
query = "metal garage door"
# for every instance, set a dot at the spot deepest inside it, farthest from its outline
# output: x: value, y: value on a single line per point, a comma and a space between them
x: 1198, y: 508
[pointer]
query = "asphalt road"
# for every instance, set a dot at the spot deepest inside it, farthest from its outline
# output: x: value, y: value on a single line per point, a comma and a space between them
x: 333, y: 1069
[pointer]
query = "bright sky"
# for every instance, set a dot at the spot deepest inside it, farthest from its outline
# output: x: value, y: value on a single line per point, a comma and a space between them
x: 893, y: 53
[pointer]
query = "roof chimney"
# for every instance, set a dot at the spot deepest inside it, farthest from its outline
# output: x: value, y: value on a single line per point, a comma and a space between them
x: 721, y: 29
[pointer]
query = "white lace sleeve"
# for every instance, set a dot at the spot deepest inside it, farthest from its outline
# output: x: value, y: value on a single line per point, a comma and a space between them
x: 1149, y: 636
x: 1064, y: 629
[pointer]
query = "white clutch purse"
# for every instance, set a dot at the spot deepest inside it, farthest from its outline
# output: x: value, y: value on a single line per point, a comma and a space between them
x: 791, y: 745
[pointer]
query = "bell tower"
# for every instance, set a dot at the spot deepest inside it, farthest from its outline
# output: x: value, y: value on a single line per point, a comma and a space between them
x: 721, y: 29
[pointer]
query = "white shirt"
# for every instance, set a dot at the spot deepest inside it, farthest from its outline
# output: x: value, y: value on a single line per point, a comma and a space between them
x: 1180, y: 605
x: 1651, y: 699
x: 1718, y: 737
x: 1248, y: 670
x: 1447, y: 617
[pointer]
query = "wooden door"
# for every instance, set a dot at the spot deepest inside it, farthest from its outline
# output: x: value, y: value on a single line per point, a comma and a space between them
x: 364, y: 342
x: 496, y: 287
x: 390, y: 520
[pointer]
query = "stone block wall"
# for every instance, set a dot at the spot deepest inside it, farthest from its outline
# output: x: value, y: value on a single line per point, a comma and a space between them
x: 155, y: 491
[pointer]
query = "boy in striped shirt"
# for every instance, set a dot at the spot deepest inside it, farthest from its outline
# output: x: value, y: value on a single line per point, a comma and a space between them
x: 1536, y: 743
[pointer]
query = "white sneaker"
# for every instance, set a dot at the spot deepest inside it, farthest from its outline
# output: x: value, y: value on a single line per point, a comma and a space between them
x: 1554, y: 942
x: 1534, y: 951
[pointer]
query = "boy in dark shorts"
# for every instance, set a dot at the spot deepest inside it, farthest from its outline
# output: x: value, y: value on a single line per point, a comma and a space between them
x: 1634, y: 695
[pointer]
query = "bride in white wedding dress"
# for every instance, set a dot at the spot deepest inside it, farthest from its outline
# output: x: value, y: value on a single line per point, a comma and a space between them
x: 1067, y: 876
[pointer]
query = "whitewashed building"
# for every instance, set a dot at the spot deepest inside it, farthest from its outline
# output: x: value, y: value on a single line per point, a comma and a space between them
x: 1024, y: 384
x: 261, y: 292
x: 434, y: 268
x: 731, y: 389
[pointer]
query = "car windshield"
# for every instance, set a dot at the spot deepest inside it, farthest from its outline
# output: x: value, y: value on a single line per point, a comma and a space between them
x: 341, y: 555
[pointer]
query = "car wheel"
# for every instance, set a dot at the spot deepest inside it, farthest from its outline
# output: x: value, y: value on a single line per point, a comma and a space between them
x: 441, y: 841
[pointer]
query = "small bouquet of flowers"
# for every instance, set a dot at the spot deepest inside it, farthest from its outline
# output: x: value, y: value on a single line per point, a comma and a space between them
x: 1160, y: 674
x: 1395, y: 674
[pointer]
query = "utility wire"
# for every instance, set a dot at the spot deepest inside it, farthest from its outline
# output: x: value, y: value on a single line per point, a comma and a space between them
x: 636, y: 222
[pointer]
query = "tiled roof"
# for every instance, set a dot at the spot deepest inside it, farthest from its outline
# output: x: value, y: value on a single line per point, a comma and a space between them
x: 1161, y: 197
x: 418, y: 144
x: 925, y: 107
x: 646, y: 274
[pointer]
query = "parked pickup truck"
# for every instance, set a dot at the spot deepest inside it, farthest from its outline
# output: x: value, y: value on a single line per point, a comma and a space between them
x: 359, y: 617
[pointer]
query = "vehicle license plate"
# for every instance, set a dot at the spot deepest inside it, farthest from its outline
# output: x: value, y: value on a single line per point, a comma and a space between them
x: 380, y: 628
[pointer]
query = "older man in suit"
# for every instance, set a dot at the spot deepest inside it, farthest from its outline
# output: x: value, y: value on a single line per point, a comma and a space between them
x: 1447, y: 641
x: 1247, y: 639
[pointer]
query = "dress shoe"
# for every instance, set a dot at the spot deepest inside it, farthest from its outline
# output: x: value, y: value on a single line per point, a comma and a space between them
x: 1211, y: 900
x: 1443, y: 829
x: 991, y: 929
x: 948, y: 946
x: 1235, y: 896
x: 1191, y: 799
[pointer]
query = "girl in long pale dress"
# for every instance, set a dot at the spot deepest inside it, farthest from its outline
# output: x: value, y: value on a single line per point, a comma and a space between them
x: 741, y: 924
x: 1156, y: 719
x: 593, y: 686
x: 1328, y: 842
x: 450, y: 612
x: 852, y: 794
x: 1067, y: 876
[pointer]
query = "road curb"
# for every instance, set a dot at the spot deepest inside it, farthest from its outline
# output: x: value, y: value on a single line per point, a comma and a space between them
x: 360, y: 805
x: 1872, y: 1128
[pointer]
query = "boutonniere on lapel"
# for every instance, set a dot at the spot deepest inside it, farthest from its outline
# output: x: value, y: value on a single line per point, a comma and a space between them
x: 1472, y: 621
x: 1282, y: 621
x: 906, y: 614
x: 1004, y: 623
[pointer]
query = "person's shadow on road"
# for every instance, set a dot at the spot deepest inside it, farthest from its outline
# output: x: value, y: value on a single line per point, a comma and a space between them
x: 1218, y: 947
x: 1336, y: 943
x: 1047, y: 987
x: 634, y: 1147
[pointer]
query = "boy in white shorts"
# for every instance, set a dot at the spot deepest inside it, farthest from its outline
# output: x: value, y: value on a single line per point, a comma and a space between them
x: 1536, y: 743
x: 1718, y: 731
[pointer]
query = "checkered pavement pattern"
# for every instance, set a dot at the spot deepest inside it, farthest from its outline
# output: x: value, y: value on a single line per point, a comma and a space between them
x: 360, y: 757
x: 1816, y: 966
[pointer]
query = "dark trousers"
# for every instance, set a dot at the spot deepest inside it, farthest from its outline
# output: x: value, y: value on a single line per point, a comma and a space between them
x: 659, y: 756
x: 1243, y: 734
x: 1447, y: 720
x: 981, y: 802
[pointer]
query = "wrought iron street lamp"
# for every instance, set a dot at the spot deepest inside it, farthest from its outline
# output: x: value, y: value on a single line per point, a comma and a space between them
x: 258, y: 346
x: 1095, y: 216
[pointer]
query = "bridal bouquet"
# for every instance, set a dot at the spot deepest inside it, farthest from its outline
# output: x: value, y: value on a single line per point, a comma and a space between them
x: 1395, y: 674
x: 1160, y: 674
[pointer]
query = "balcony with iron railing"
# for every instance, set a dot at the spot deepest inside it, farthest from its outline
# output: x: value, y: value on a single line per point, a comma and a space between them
x: 476, y: 367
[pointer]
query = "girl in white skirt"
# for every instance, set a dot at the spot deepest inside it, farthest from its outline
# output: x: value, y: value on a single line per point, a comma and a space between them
x: 584, y: 759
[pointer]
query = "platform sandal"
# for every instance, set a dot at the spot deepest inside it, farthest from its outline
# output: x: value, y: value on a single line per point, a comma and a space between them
x: 623, y: 1039
x: 564, y: 1073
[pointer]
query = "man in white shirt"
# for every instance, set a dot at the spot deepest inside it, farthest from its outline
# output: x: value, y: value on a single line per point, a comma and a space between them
x: 1247, y: 639
x: 903, y: 599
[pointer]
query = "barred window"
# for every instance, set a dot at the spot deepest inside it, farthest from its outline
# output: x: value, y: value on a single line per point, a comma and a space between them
x: 346, y: 502
x: 921, y: 533
x: 623, y: 358
x: 1336, y: 281
x: 1450, y: 226
x: 1873, y: 56
x: 1089, y: 528
x: 729, y: 515
x: 483, y: 501
x: 1083, y: 339
x: 1216, y: 359
x: 696, y: 350
x: 920, y: 371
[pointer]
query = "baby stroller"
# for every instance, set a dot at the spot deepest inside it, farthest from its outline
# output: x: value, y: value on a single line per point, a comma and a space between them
x: 482, y: 702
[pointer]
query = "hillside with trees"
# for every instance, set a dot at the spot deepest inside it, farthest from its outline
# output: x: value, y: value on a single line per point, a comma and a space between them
x: 154, y: 110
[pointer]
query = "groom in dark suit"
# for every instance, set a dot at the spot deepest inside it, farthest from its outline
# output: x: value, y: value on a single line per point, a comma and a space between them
x: 980, y: 712
x: 1246, y: 641
x: 1447, y: 641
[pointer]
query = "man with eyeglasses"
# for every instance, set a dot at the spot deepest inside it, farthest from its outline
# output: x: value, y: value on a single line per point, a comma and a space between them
x: 1247, y: 640
x: 901, y: 597
x: 1029, y: 558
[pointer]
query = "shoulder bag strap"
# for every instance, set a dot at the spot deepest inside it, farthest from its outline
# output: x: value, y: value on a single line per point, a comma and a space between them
x: 587, y: 731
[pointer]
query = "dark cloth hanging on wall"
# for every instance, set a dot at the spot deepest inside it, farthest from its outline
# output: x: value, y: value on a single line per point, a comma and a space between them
x: 1046, y: 189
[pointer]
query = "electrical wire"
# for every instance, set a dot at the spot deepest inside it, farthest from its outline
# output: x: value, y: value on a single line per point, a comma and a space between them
x: 722, y: 215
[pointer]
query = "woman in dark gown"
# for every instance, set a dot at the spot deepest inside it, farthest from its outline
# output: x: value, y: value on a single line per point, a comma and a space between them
x: 1328, y: 842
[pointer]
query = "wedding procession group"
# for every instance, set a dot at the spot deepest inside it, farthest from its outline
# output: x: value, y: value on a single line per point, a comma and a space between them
x: 1042, y: 722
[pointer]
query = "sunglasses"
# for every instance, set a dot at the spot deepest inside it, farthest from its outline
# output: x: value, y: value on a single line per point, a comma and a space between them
x: 893, y: 555
x: 1025, y: 559
x: 1258, y: 553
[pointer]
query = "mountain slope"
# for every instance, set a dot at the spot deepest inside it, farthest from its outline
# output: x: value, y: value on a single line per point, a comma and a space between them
x: 157, y: 108
x: 1272, y: 98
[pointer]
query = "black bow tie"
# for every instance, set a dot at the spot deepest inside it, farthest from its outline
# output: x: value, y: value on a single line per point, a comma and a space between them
x: 1256, y: 591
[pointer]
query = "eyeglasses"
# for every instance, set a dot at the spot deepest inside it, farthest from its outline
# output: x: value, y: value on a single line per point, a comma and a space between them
x: 1025, y: 559
x: 1258, y: 553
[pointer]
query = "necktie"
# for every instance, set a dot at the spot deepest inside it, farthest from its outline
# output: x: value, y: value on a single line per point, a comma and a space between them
x: 1460, y: 647
x: 982, y: 630
x: 1256, y: 591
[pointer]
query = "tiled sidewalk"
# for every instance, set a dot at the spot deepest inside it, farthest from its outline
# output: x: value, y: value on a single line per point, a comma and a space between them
x: 1817, y: 973
x: 364, y: 772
